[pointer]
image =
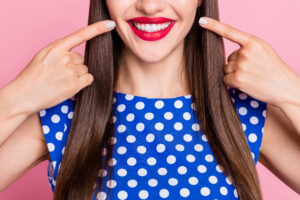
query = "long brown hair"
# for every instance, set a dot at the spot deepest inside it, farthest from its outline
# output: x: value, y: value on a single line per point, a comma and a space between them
x: 89, y: 147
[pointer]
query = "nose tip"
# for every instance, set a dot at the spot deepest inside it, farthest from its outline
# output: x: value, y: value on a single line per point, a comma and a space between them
x: 150, y: 6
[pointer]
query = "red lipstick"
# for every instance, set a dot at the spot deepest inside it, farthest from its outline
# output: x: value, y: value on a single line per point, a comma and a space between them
x: 143, y: 27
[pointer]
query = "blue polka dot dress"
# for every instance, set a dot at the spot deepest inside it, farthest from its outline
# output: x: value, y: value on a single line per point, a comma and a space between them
x: 158, y: 153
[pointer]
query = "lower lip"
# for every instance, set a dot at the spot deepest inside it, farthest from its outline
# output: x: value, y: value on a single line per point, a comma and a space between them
x: 153, y: 36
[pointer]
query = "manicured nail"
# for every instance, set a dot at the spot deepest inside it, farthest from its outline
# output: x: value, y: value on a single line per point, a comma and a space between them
x: 203, y: 21
x: 110, y: 24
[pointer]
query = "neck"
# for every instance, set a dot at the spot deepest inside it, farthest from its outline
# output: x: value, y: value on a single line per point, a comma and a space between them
x: 161, y: 79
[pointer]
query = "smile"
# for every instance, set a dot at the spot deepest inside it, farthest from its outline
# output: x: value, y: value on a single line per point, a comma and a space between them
x: 151, y: 29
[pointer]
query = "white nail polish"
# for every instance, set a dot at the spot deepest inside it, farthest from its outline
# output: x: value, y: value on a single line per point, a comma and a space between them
x: 110, y: 24
x: 203, y: 21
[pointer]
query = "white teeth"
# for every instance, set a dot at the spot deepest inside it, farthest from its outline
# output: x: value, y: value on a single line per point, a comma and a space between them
x: 151, y: 27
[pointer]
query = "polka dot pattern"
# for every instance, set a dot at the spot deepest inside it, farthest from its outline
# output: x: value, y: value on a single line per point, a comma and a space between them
x: 158, y: 154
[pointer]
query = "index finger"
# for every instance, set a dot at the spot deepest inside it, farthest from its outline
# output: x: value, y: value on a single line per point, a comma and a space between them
x: 86, y: 33
x: 226, y: 31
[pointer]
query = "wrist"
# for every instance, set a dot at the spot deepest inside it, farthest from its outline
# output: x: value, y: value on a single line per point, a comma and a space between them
x: 292, y: 97
x: 11, y: 102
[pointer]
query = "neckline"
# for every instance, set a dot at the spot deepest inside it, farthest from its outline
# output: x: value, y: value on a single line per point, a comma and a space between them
x: 130, y: 96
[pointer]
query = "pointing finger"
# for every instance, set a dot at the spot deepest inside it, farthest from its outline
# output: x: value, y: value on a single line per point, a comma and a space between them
x: 225, y: 31
x: 86, y: 33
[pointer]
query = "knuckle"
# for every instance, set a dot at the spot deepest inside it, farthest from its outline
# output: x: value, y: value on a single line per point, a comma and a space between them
x: 238, y: 77
x: 67, y: 58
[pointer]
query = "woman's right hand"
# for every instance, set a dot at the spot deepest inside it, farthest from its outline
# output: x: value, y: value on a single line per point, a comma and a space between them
x: 55, y: 73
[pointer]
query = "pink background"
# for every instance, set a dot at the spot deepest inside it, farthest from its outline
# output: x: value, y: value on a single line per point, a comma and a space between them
x: 28, y: 26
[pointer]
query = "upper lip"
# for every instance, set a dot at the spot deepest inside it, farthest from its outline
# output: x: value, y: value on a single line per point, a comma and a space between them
x: 149, y: 20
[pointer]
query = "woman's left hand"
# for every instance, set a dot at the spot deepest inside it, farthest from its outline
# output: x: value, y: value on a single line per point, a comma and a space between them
x: 256, y: 68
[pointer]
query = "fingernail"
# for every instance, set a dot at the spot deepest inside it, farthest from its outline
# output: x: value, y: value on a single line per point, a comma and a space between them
x: 203, y: 21
x: 110, y: 24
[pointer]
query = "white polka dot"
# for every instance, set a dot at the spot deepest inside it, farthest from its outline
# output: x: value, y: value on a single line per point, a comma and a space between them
x: 122, y: 172
x: 143, y: 194
x: 121, y: 108
x: 182, y: 170
x: 252, y: 137
x: 264, y: 113
x: 111, y: 183
x: 59, y: 135
x: 213, y: 179
x: 159, y: 126
x: 243, y: 110
x: 178, y: 104
x: 140, y: 126
x: 202, y: 169
x: 219, y: 168
x: 142, y: 172
x: 228, y: 180
x: 160, y: 148
x: 129, y: 97
x: 196, y: 127
x: 169, y: 137
x: 173, y: 181
x: 252, y: 154
x: 112, y: 140
x: 187, y: 116
x: 162, y: 171
x: 132, y: 183
x: 114, y: 99
x: 42, y: 113
x: 70, y: 115
x: 178, y: 126
x: 101, y: 196
x: 122, y: 194
x: 188, y: 96
x: 190, y: 158
x: 112, y: 162
x: 141, y: 149
x: 149, y: 116
x: 171, y: 159
x: 51, y: 147
x: 64, y: 109
x: 253, y: 120
x: 63, y: 150
x: 204, y: 138
x: 205, y: 191
x: 131, y: 161
x: 223, y: 190
x: 114, y: 119
x: 121, y: 150
x: 104, y: 151
x: 150, y: 137
x: 187, y: 137
x: 193, y: 106
x: 243, y: 96
x: 198, y: 147
x: 151, y: 161
x: 46, y: 129
x: 168, y: 115
x: 163, y: 193
x: 179, y: 147
x: 254, y: 104
x: 193, y: 180
x: 244, y: 127
x: 102, y: 172
x: 139, y: 105
x: 209, y: 158
x: 130, y: 117
x: 130, y: 138
x: 55, y: 118
x: 184, y: 192
x: 121, y: 128
x: 152, y: 182
x: 159, y: 104
x: 235, y: 193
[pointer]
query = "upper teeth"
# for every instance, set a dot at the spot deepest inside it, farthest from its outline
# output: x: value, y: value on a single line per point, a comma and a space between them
x: 151, y: 27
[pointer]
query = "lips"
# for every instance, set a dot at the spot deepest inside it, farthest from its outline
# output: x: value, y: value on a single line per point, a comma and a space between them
x: 151, y: 29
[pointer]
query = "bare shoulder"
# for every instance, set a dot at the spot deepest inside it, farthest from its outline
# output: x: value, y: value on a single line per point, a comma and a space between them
x: 22, y: 151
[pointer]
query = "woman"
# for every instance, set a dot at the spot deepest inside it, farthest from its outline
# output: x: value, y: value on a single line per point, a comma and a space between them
x: 133, y: 133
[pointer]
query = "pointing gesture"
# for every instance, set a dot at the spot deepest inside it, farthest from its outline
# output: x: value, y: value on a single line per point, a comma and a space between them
x: 55, y: 73
x: 255, y: 68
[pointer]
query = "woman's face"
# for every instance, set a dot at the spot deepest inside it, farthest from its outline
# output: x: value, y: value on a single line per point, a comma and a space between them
x: 151, y: 29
